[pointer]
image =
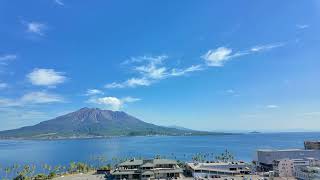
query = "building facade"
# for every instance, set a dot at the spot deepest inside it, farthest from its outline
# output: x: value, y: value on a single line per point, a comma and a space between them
x: 307, y: 173
x: 266, y: 158
x: 147, y: 169
x: 213, y: 169
x: 312, y: 145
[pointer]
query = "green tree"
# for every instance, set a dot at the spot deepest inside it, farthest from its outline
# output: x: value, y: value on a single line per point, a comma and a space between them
x: 72, y: 167
x: 7, y: 171
x: 40, y: 177
x: 226, y: 156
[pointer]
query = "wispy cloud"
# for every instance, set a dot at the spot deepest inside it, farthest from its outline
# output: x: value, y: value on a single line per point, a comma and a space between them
x: 151, y: 69
x: 46, y: 77
x: 181, y: 72
x: 3, y: 85
x: 4, y: 59
x: 36, y: 28
x: 230, y: 91
x: 18, y: 117
x: 113, y: 102
x: 132, y: 82
x: 266, y: 47
x: 272, y: 106
x: 40, y: 98
x: 91, y: 92
x: 302, y: 26
x: 141, y: 59
x: 59, y: 2
x: 31, y: 98
x: 218, y: 57
x: 311, y: 114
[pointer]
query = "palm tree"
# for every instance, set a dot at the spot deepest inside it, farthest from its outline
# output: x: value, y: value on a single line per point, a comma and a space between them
x: 15, y: 168
x: 72, y: 167
x: 226, y: 156
x: 7, y: 170
x: 33, y: 169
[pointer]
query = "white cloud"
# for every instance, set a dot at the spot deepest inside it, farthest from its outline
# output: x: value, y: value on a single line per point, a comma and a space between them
x: 153, y: 68
x: 231, y: 91
x: 39, y: 97
x: 7, y: 57
x: 132, y: 82
x: 36, y: 28
x: 112, y: 102
x: 3, y: 85
x: 181, y: 72
x: 11, y: 118
x: 266, y: 47
x: 272, y: 106
x: 217, y: 57
x: 149, y: 59
x: 59, y: 2
x: 91, y: 92
x: 6, y: 102
x: 151, y: 71
x: 115, y: 85
x: 4, y: 61
x: 302, y: 26
x: 311, y: 114
x: 46, y: 77
x: 130, y: 99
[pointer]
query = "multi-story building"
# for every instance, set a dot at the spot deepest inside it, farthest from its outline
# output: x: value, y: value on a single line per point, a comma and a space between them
x: 307, y: 172
x: 312, y: 145
x: 283, y: 168
x: 286, y: 167
x: 266, y: 158
x: 136, y: 169
x: 213, y: 169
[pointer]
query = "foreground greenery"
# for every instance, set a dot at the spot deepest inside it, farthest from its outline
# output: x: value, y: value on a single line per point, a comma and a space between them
x: 46, y: 172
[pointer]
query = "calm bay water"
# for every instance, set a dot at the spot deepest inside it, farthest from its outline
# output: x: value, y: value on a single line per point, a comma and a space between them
x: 61, y: 152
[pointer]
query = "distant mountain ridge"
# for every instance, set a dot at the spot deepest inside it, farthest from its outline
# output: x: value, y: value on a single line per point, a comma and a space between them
x: 94, y: 122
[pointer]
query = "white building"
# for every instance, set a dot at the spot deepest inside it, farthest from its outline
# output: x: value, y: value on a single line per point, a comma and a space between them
x: 266, y: 158
x: 136, y: 169
x: 307, y: 173
x: 288, y: 167
x: 284, y: 168
x: 212, y: 169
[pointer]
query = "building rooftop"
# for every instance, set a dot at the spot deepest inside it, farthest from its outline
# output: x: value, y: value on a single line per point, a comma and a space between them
x: 132, y: 162
x: 217, y: 163
x: 147, y: 163
x: 283, y: 150
x: 215, y: 167
x: 147, y: 173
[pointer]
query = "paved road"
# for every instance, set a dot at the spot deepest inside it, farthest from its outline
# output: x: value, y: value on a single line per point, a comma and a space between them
x: 81, y: 177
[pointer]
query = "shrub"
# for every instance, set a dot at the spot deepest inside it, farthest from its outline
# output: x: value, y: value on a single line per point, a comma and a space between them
x: 21, y: 177
x: 40, y: 177
x: 52, y: 175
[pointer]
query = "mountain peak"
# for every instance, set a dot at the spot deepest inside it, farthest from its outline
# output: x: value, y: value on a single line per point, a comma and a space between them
x: 96, y: 109
x: 92, y: 122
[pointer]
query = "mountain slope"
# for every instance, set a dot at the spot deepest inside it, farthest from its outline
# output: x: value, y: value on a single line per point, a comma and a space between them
x: 93, y: 122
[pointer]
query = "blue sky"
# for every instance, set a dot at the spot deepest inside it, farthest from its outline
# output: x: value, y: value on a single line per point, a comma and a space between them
x: 207, y: 65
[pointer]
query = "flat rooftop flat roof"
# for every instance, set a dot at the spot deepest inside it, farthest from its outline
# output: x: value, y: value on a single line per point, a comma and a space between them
x: 217, y: 163
x: 147, y: 162
x: 280, y: 150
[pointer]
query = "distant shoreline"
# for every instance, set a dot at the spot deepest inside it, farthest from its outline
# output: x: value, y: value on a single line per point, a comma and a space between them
x: 109, y: 137
x: 124, y: 136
